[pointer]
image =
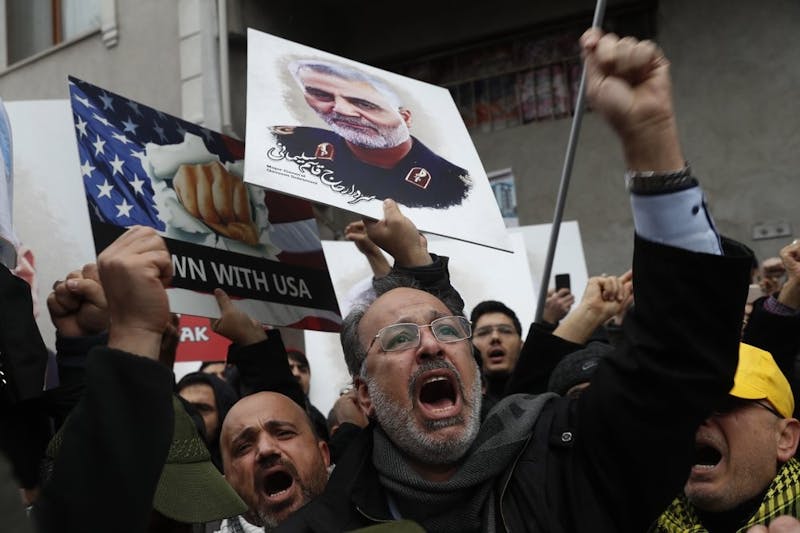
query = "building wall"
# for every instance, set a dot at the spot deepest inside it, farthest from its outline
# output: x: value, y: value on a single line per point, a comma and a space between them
x: 144, y: 65
x: 733, y: 74
x: 735, y: 81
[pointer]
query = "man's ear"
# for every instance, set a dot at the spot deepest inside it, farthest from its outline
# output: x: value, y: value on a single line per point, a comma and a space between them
x: 406, y: 114
x: 362, y: 393
x: 325, y: 451
x: 788, y: 439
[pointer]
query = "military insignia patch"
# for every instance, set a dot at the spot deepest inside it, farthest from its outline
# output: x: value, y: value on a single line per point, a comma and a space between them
x: 324, y: 151
x: 419, y: 176
x: 282, y: 130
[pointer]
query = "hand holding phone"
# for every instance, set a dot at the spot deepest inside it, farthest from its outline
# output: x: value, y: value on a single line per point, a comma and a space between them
x: 562, y: 282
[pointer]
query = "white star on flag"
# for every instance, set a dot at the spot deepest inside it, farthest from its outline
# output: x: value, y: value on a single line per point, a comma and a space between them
x: 86, y: 169
x: 107, y: 102
x: 121, y: 138
x: 105, y: 189
x: 101, y: 120
x: 140, y: 156
x: 124, y: 209
x: 84, y: 101
x: 116, y: 165
x: 135, y: 107
x: 130, y: 125
x: 81, y: 125
x: 160, y: 131
x: 98, y: 146
x: 137, y: 184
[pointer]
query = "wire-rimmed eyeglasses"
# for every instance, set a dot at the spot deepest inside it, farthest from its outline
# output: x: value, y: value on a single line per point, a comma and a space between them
x: 732, y: 403
x: 404, y: 336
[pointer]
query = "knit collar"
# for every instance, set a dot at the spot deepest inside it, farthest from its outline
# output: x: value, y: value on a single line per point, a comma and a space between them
x: 465, y: 502
x: 782, y: 497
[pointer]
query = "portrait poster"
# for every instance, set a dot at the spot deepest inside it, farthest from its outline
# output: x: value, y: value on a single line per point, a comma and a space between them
x: 142, y: 166
x: 341, y: 133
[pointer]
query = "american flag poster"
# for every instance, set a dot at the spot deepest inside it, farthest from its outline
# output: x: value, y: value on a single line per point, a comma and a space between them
x: 142, y: 166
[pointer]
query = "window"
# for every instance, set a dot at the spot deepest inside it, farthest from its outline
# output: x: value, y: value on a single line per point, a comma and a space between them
x: 33, y: 26
x: 502, y: 182
x: 529, y: 77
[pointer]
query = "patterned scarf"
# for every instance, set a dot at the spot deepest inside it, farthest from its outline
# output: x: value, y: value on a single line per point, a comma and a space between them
x: 237, y: 524
x: 782, y: 498
x: 465, y: 502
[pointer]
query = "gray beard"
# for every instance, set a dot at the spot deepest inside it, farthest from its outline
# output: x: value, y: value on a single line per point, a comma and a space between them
x: 386, y: 137
x: 404, y: 431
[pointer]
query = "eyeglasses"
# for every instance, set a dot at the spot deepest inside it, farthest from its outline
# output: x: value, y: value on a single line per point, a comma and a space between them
x: 502, y: 329
x: 731, y: 404
x: 404, y: 336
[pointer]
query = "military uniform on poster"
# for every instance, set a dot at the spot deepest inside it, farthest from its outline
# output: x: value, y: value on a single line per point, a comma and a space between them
x: 420, y: 179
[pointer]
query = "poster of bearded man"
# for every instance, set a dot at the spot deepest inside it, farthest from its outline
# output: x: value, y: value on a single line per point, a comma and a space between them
x: 346, y: 134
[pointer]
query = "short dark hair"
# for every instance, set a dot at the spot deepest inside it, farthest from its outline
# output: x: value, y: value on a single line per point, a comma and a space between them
x: 354, y: 352
x: 493, y: 306
x: 298, y: 357
x: 209, y: 363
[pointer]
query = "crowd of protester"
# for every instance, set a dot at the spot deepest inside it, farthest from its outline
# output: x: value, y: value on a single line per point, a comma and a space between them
x: 649, y: 405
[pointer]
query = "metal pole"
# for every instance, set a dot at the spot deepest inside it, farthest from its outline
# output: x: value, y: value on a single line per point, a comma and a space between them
x: 599, y: 11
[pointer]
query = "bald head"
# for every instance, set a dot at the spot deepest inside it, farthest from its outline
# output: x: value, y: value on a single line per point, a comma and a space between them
x: 269, y: 406
x: 272, y: 457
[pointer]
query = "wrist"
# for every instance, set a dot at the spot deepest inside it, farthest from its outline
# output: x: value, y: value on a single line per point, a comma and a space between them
x: 379, y: 265
x: 253, y: 336
x: 551, y: 317
x: 416, y: 259
x: 591, y: 316
x: 790, y: 294
x: 655, y: 182
x: 654, y: 147
x: 69, y: 330
x: 135, y: 340
x: 579, y: 325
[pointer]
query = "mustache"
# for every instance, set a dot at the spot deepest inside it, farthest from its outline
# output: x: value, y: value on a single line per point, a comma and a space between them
x: 273, y: 460
x: 333, y: 116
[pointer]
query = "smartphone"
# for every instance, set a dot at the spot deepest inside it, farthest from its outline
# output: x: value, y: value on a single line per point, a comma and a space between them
x: 562, y: 282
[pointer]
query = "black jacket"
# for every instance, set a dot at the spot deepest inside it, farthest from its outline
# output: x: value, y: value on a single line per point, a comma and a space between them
x: 113, y: 449
x: 614, y: 458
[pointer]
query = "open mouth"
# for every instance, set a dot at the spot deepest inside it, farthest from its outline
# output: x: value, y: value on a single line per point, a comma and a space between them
x: 438, y: 393
x: 497, y: 356
x: 277, y: 483
x: 706, y: 457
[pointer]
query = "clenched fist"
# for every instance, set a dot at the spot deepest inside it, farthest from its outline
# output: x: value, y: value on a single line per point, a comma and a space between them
x: 218, y: 198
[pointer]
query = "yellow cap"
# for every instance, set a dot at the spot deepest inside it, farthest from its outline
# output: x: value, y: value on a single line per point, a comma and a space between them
x: 759, y: 378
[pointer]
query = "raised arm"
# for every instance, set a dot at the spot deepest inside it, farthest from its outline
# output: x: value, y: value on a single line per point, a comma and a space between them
x: 397, y: 234
x: 260, y: 356
x: 356, y: 232
x: 682, y: 336
x: 126, y: 411
x: 774, y: 321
